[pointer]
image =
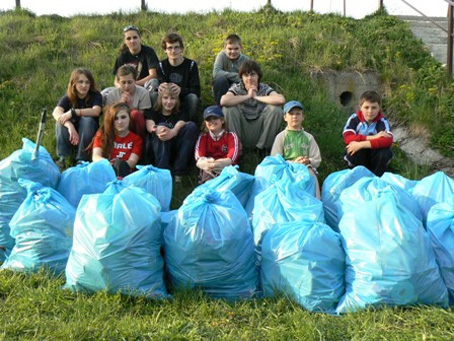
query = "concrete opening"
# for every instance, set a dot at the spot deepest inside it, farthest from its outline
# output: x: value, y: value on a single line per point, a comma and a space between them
x: 346, y: 98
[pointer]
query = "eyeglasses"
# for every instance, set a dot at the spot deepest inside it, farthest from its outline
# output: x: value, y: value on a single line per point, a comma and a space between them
x: 130, y: 27
x: 176, y: 48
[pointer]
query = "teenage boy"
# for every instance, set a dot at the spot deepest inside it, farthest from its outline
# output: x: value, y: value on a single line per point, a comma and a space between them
x: 295, y: 144
x: 226, y: 66
x: 181, y: 74
x: 368, y: 136
x: 252, y: 109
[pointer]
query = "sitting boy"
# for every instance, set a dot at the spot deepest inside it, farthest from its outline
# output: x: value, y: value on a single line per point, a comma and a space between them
x: 368, y: 136
x: 295, y: 144
x: 226, y: 66
x: 181, y: 74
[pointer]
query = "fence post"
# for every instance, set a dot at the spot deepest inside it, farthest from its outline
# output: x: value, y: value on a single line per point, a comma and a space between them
x: 380, y: 5
x: 450, y: 36
x: 312, y: 6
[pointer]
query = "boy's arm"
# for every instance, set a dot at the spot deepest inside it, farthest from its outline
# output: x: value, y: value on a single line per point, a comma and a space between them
x: 218, y: 66
x: 278, y: 145
x: 273, y: 98
x: 315, y: 157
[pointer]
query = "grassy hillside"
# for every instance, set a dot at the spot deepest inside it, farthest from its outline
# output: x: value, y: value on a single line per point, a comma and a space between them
x: 38, y: 55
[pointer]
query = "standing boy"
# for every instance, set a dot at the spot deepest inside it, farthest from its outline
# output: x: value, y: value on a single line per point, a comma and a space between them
x: 227, y: 65
x: 368, y: 136
x: 181, y: 74
x: 295, y: 144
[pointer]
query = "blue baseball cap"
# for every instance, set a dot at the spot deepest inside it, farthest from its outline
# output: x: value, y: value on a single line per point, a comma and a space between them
x: 292, y: 104
x: 213, y: 110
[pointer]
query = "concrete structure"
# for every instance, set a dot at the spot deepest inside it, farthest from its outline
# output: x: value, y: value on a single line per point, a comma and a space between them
x: 346, y: 87
x: 432, y: 36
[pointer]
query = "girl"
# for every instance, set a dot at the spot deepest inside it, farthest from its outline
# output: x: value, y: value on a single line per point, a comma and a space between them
x: 171, y: 134
x: 142, y: 57
x: 216, y: 148
x: 115, y: 142
x: 77, y: 117
x: 135, y: 96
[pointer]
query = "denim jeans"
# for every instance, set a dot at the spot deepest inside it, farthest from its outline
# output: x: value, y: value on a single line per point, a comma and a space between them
x: 176, y: 153
x: 86, y: 127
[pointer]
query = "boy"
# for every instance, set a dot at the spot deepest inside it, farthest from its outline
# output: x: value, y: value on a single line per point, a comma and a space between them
x: 368, y: 136
x: 295, y: 144
x: 227, y: 65
x: 181, y: 74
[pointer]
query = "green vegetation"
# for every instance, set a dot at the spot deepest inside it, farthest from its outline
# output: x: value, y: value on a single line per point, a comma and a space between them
x: 36, y: 308
x: 38, y: 56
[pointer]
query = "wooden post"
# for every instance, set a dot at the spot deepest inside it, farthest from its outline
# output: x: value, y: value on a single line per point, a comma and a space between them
x: 143, y: 5
x: 345, y: 9
x: 450, y: 36
x: 380, y: 5
x: 312, y: 6
x: 17, y: 4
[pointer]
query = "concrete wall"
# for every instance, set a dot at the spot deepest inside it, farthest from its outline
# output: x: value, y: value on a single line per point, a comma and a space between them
x: 346, y: 87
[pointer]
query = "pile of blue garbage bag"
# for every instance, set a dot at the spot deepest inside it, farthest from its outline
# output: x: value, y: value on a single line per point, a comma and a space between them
x: 370, y: 242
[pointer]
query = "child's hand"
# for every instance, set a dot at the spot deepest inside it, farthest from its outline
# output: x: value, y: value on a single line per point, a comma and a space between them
x: 252, y: 92
x: 164, y: 133
x: 175, y: 89
x: 354, y: 147
x: 304, y: 160
x: 382, y: 134
x: 127, y: 98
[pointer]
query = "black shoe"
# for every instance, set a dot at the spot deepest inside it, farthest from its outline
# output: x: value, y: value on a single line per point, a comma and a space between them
x: 61, y: 163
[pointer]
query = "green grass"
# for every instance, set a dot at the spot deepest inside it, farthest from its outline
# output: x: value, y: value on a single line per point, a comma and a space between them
x: 38, y: 56
x: 36, y: 308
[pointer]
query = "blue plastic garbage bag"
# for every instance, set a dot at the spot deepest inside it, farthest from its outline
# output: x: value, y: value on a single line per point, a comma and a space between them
x: 332, y: 188
x: 440, y: 225
x: 433, y: 189
x: 209, y: 245
x: 116, y: 245
x: 43, y: 230
x: 389, y: 258
x: 85, y: 178
x: 275, y: 167
x: 22, y: 164
x: 155, y: 181
x: 283, y: 202
x: 399, y: 180
x: 231, y: 179
x: 371, y: 188
x: 306, y: 261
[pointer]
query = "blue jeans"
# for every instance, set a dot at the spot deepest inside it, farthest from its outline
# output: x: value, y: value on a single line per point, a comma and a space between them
x: 86, y: 127
x: 176, y: 153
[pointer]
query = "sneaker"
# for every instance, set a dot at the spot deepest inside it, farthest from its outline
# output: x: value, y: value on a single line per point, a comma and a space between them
x: 178, y: 179
x: 349, y: 164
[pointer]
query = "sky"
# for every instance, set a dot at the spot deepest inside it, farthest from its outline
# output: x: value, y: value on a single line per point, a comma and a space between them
x: 354, y: 8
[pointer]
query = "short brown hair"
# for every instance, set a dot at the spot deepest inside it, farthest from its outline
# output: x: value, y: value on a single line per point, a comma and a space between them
x: 125, y: 70
x: 370, y: 96
x: 233, y: 39
x: 171, y: 38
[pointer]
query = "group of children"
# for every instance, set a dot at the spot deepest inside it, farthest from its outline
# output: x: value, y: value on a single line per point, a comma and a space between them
x: 151, y: 115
